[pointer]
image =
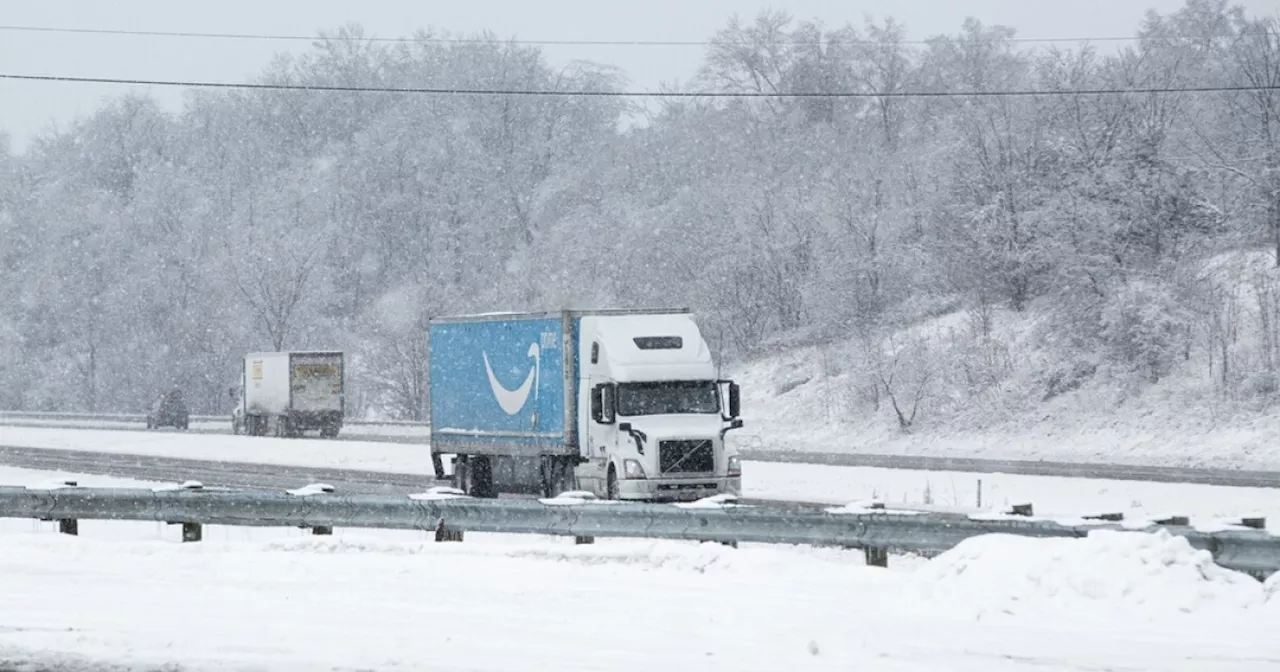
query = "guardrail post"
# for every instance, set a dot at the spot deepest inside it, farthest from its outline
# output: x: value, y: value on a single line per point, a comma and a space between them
x: 443, y: 534
x: 192, y: 532
x: 877, y: 557
x: 71, y: 527
x: 315, y: 489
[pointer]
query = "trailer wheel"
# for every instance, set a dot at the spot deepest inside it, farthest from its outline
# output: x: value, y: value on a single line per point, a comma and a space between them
x: 480, y: 477
x: 460, y: 475
x: 438, y: 465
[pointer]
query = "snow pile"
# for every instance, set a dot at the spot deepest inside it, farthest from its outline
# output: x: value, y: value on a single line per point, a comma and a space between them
x: 650, y: 555
x: 312, y: 489
x: 185, y: 485
x: 1113, y: 573
x: 721, y: 501
x: 572, y: 497
x: 872, y: 506
x: 439, y: 492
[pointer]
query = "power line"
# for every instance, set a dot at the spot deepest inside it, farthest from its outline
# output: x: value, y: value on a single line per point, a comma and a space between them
x: 452, y: 91
x: 595, y: 43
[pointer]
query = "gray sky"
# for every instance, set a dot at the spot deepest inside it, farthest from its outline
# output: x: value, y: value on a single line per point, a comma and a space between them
x: 30, y: 108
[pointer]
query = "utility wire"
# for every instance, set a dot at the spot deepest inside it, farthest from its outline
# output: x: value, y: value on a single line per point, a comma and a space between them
x: 451, y: 91
x: 598, y: 43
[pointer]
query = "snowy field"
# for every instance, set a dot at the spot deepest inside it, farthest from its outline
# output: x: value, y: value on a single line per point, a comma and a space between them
x: 793, y: 482
x: 253, y: 599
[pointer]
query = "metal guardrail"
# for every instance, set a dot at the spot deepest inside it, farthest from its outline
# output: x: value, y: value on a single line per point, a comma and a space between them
x: 449, y: 515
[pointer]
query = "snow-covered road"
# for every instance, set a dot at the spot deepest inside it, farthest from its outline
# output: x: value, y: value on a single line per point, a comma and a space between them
x: 763, y: 480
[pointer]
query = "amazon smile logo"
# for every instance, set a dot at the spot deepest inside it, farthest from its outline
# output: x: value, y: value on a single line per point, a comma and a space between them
x: 512, y: 401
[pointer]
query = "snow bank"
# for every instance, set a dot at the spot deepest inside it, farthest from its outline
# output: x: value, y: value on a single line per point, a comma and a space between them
x: 1113, y: 573
x: 503, y: 602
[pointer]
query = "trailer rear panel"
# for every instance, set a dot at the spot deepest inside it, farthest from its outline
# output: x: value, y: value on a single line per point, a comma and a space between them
x: 316, y: 381
x: 503, y: 385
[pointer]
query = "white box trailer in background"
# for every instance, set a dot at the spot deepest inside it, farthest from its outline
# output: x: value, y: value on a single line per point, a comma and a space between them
x: 288, y: 393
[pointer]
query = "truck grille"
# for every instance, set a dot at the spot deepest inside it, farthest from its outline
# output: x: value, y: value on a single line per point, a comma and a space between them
x: 686, y: 457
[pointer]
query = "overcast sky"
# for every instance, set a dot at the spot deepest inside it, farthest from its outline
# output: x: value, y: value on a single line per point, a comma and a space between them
x: 29, y: 108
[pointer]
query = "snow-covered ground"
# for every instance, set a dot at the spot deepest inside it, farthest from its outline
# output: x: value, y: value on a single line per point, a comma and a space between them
x: 221, y: 426
x: 819, y: 397
x: 131, y: 594
x: 795, y: 482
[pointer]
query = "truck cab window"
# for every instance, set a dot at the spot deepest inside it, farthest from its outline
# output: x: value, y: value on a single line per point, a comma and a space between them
x: 668, y: 397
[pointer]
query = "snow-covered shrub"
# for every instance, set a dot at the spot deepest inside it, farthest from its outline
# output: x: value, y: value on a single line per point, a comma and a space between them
x: 1144, y: 328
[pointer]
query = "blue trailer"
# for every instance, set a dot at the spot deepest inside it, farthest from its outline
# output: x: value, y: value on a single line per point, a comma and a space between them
x: 529, y: 403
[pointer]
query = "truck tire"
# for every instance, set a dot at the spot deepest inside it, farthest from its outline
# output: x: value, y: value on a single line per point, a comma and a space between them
x: 480, y: 470
x: 551, y: 471
x: 611, y: 484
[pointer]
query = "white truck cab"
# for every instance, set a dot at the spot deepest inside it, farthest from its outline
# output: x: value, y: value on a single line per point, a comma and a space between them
x: 658, y: 410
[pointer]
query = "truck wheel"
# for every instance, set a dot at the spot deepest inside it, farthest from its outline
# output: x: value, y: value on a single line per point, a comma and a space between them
x: 480, y: 471
x: 611, y: 484
x: 459, y: 477
x: 558, y: 476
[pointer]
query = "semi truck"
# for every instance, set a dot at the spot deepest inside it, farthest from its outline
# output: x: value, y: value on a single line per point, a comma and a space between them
x: 288, y: 393
x: 625, y: 404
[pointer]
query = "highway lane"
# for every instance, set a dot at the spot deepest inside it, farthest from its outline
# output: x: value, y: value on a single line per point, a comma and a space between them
x: 240, y: 475
x: 1124, y: 472
x: 249, y: 476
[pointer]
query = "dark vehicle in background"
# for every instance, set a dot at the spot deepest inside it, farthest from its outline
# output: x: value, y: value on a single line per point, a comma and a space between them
x: 170, y: 410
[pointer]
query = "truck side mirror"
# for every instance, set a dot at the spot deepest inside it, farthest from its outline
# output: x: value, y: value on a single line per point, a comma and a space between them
x: 231, y: 392
x: 735, y: 400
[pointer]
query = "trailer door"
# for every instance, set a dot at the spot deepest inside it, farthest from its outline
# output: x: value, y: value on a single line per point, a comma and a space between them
x: 317, y: 382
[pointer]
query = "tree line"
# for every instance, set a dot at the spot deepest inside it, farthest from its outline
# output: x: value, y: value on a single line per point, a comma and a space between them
x: 144, y: 249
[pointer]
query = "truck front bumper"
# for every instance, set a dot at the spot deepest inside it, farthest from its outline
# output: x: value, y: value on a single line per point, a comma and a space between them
x: 678, y: 489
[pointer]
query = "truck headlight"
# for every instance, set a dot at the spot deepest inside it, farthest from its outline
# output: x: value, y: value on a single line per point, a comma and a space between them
x: 735, y: 465
x: 632, y: 469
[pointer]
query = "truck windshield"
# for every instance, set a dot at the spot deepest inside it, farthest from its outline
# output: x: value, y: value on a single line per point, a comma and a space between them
x: 668, y: 397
